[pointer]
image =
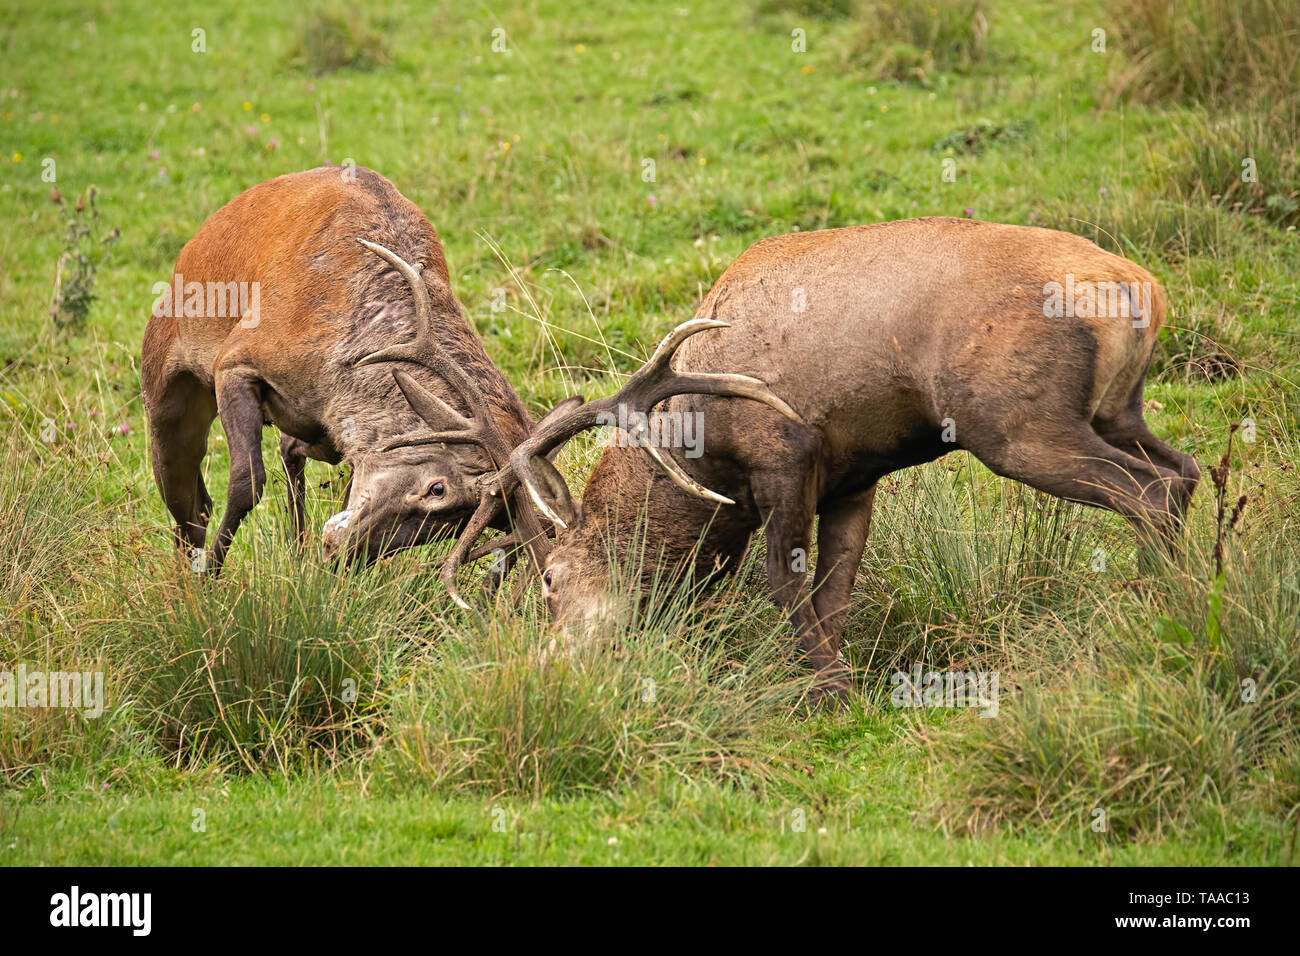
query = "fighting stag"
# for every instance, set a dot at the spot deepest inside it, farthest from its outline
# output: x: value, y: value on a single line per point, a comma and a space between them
x: 272, y: 318
x: 893, y: 344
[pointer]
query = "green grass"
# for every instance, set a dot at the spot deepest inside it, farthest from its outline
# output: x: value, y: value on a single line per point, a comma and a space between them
x: 314, y: 820
x: 1121, y: 688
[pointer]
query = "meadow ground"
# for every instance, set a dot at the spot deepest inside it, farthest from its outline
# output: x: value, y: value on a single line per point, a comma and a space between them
x: 591, y: 173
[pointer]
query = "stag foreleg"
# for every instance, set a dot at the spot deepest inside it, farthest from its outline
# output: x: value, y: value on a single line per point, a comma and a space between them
x: 841, y: 538
x: 786, y: 499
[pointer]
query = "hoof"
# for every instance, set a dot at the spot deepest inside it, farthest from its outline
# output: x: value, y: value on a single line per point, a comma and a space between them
x: 831, y: 694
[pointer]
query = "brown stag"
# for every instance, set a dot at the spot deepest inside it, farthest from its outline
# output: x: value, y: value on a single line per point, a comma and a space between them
x: 276, y: 311
x: 892, y: 344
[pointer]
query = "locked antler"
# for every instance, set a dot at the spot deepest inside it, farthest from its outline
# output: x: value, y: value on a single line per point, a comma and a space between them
x: 654, y: 382
x: 450, y: 426
x: 524, y: 470
x: 651, y: 384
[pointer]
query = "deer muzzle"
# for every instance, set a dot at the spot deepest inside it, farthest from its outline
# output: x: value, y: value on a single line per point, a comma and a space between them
x: 336, y: 532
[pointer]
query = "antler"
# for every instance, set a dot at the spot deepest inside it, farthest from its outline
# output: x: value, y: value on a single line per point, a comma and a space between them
x: 450, y: 426
x: 529, y: 465
x: 523, y: 470
x: 651, y: 384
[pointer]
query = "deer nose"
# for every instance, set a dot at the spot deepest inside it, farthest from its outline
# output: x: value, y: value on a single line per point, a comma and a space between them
x: 335, y: 531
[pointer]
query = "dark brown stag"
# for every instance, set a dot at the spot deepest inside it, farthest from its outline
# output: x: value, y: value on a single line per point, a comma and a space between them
x: 892, y: 344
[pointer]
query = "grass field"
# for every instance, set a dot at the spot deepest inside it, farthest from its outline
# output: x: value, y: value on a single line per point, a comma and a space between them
x: 595, y: 172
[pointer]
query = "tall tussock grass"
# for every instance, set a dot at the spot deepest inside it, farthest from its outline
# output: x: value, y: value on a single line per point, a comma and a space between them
x: 333, y: 40
x: 36, y: 738
x: 46, y: 519
x: 1247, y: 162
x: 281, y: 660
x: 285, y: 663
x: 51, y: 548
x: 912, y: 41
x: 510, y: 706
x: 1179, y: 705
x: 1209, y: 51
x: 1231, y: 168
x: 1162, y: 223
x: 958, y: 559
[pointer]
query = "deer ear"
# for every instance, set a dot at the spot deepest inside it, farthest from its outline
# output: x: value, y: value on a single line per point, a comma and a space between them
x: 436, y: 413
x: 555, y: 491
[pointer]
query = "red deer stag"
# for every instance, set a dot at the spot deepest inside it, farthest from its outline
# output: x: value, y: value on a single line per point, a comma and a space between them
x: 894, y: 343
x: 275, y: 315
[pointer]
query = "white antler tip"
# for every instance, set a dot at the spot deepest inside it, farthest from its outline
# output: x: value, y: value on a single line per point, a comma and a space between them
x: 542, y: 506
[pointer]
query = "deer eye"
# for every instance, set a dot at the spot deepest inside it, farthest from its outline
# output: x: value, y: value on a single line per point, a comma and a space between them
x: 436, y: 490
x: 546, y: 578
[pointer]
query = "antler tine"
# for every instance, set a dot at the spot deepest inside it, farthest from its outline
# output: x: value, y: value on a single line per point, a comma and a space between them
x: 668, y: 347
x: 528, y: 533
x: 423, y: 350
x: 650, y: 385
x: 483, y: 515
x: 504, y: 542
x: 411, y: 273
x: 660, y: 381
x: 478, y: 430
x: 683, y: 480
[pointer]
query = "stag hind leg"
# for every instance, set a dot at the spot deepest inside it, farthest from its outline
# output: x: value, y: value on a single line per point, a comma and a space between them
x: 240, y: 407
x: 1075, y: 463
x: 293, y: 454
x: 1128, y: 432
x: 179, y: 421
